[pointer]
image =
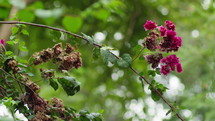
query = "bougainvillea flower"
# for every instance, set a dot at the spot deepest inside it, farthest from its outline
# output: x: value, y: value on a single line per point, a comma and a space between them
x: 170, y: 34
x: 170, y: 25
x: 162, y: 30
x: 169, y: 64
x: 150, y: 25
x: 2, y: 41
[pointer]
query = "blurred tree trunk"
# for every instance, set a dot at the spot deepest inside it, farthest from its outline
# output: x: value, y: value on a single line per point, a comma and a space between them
x: 5, y: 30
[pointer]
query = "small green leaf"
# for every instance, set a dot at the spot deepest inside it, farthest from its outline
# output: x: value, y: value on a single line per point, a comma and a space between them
x: 96, y: 53
x: 125, y: 61
x: 72, y: 23
x: 15, y: 30
x: 89, y: 38
x: 154, y: 95
x: 107, y: 56
x: 55, y: 35
x: 101, y: 111
x: 152, y: 73
x: 25, y: 32
x: 53, y: 83
x: 26, y: 15
x: 158, y: 71
x: 8, y: 53
x: 137, y: 48
x: 170, y: 110
x: 69, y: 85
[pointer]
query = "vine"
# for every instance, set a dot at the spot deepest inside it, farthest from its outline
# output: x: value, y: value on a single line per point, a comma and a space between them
x: 67, y: 58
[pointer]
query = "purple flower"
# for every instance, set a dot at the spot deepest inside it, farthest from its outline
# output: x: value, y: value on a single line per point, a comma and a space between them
x: 169, y: 64
x: 150, y: 25
x: 176, y: 42
x: 170, y: 25
x: 179, y: 68
x: 170, y: 34
x: 162, y: 30
x: 165, y: 70
x: 2, y: 41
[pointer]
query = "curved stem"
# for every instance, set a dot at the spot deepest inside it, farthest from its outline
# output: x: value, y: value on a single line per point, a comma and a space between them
x: 138, y: 54
x: 97, y: 45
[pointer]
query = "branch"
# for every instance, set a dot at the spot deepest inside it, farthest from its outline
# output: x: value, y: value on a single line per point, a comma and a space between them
x: 99, y: 46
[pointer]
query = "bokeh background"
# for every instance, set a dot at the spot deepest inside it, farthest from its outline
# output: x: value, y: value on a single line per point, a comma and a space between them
x: 119, y: 24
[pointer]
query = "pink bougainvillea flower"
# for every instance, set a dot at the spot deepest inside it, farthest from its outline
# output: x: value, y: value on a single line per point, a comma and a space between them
x: 179, y: 68
x: 150, y: 25
x: 170, y: 34
x: 162, y: 30
x: 2, y: 41
x: 169, y: 64
x: 176, y: 42
x: 170, y: 25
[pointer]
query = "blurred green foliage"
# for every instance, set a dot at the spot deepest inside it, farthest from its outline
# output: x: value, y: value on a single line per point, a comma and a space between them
x: 113, y: 88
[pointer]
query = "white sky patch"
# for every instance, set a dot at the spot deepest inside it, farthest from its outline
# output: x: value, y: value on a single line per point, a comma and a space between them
x: 140, y: 41
x: 116, y: 52
x: 4, y: 112
x: 118, y: 36
x: 114, y: 77
x: 99, y: 37
x: 175, y: 88
x: 206, y: 4
x: 164, y: 11
x: 186, y: 113
x: 195, y: 33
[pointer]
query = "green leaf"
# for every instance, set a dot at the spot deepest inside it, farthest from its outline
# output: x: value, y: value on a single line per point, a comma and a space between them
x: 107, y: 56
x: 125, y: 61
x: 152, y: 73
x: 96, y: 53
x: 26, y: 15
x: 154, y: 95
x: 101, y: 111
x: 25, y: 32
x: 69, y: 85
x: 56, y: 35
x: 137, y: 48
x: 170, y: 110
x: 53, y: 84
x: 158, y: 71
x: 72, y: 23
x: 15, y: 30
x: 8, y: 53
x: 101, y: 14
x: 89, y: 38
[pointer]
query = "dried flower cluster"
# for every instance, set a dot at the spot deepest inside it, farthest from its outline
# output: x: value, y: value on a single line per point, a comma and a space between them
x: 47, y: 74
x: 165, y: 40
x: 41, y: 107
x: 11, y: 65
x: 154, y: 59
x: 66, y: 58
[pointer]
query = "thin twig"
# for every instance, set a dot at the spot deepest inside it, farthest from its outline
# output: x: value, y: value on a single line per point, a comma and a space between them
x: 19, y: 84
x: 97, y: 45
x: 5, y: 81
x: 18, y: 81
x: 138, y: 54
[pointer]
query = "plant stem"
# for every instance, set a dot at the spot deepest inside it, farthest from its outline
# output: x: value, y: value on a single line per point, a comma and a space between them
x: 99, y: 46
x: 138, y: 54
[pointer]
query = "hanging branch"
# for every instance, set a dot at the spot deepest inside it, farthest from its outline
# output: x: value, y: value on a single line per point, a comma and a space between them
x: 99, y: 46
